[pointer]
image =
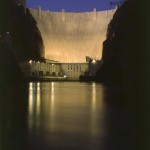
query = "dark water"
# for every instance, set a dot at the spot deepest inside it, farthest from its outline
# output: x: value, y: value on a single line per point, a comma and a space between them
x: 68, y: 116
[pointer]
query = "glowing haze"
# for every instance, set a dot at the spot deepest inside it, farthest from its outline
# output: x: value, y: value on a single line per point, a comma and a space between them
x: 70, y: 37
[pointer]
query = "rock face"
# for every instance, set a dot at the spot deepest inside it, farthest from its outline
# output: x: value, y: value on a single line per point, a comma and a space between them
x: 71, y: 36
x: 123, y: 47
x: 11, y: 74
x: 26, y: 42
x: 20, y: 40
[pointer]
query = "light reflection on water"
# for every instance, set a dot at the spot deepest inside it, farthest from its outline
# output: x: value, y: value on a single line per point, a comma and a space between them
x: 66, y: 111
x: 34, y: 105
x: 68, y: 116
x: 74, y: 115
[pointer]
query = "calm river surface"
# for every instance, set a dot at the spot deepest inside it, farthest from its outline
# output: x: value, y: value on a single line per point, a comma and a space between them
x: 68, y: 116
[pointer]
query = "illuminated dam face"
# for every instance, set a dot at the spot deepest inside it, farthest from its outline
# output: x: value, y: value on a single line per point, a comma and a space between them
x: 70, y: 37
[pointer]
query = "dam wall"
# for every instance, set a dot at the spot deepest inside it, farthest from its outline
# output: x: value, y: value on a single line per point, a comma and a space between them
x: 71, y: 36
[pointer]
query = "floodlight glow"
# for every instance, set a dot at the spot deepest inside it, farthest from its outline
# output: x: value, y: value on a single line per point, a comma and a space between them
x: 93, y: 61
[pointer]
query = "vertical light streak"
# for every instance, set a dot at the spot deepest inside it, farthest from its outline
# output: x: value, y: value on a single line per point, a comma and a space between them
x: 93, y: 111
x: 38, y: 86
x: 38, y: 106
x: 38, y: 102
x: 52, y: 98
x: 34, y: 105
x: 52, y: 95
x: 93, y: 96
x: 30, y: 105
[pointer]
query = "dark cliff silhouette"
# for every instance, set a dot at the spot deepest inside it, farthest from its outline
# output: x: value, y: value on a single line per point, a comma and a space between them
x: 13, y: 102
x: 13, y: 89
x: 26, y: 39
x: 20, y: 40
x: 10, y: 71
x: 126, y: 61
x: 124, y: 46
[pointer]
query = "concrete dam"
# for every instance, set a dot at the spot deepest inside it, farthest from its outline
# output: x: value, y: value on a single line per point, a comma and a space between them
x: 69, y: 37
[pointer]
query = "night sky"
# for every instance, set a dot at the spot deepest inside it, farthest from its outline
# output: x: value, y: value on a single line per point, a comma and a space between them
x: 71, y: 5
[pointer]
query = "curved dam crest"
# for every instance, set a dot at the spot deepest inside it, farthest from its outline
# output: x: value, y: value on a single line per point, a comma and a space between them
x: 69, y: 36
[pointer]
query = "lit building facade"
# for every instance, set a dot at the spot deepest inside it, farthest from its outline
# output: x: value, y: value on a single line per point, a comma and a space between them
x: 54, y: 69
x: 33, y: 68
x: 74, y: 70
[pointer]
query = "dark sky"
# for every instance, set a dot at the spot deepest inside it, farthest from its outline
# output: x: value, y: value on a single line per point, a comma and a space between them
x: 71, y: 5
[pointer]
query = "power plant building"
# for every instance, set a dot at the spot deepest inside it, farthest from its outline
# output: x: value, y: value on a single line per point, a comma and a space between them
x: 53, y: 69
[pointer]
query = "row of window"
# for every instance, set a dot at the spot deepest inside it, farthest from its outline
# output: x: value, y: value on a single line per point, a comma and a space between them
x: 47, y: 67
x: 76, y: 68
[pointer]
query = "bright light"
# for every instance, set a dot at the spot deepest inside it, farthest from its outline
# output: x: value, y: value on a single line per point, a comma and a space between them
x: 30, y: 85
x: 93, y: 61
x: 52, y: 64
x: 30, y: 61
x: 52, y: 87
x: 38, y: 86
x: 65, y: 76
